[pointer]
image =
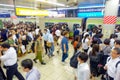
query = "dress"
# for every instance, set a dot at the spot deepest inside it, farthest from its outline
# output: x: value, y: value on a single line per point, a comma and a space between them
x: 39, y: 50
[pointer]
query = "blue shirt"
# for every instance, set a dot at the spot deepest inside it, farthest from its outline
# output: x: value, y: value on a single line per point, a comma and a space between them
x: 50, y: 38
x: 76, y: 32
x: 33, y: 74
x: 45, y: 36
x: 64, y: 41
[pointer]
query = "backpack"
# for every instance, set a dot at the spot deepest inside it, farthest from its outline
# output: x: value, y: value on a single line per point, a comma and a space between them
x: 28, y: 38
x: 73, y: 60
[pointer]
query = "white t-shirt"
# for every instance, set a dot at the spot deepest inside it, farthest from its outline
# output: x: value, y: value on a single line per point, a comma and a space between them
x: 112, y: 42
x: 85, y: 44
x: 37, y: 31
x: 83, y: 71
x: 57, y: 32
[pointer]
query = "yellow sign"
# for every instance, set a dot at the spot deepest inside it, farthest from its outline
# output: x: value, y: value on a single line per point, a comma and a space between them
x: 30, y: 12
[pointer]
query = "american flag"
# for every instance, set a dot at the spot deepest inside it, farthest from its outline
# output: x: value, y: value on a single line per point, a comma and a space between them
x: 110, y: 19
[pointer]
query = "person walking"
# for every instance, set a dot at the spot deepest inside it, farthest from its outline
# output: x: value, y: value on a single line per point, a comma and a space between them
x: 10, y: 61
x: 32, y: 73
x: 65, y: 46
x: 38, y: 50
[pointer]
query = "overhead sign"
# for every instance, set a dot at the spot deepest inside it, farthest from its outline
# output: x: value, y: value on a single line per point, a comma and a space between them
x: 31, y: 12
x: 90, y: 9
x: 4, y: 15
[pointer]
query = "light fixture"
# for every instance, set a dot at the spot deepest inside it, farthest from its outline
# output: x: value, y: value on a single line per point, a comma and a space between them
x: 50, y: 2
x: 7, y: 5
x: 91, y: 6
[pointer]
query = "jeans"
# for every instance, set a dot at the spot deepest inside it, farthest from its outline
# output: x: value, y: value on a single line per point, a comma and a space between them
x: 11, y: 71
x: 51, y: 49
x: 64, y: 56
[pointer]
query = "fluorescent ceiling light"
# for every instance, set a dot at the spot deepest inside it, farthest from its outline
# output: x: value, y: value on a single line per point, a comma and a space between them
x: 92, y: 6
x: 7, y: 5
x: 50, y: 2
x: 71, y: 8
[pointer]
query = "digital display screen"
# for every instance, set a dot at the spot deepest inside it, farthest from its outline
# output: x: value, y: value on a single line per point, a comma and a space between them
x: 90, y: 14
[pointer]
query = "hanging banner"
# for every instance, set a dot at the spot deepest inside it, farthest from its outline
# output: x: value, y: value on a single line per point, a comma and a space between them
x: 31, y: 12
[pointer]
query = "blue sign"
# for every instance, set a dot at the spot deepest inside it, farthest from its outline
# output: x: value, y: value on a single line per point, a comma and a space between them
x: 99, y: 9
x: 4, y: 15
x: 90, y: 14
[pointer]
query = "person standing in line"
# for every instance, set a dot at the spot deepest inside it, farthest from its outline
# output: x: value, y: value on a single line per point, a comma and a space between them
x: 113, y: 65
x: 83, y: 70
x: 118, y: 33
x: 32, y: 73
x: 86, y: 43
x: 2, y: 75
x: 38, y: 49
x: 65, y: 47
x: 10, y: 61
x: 45, y: 37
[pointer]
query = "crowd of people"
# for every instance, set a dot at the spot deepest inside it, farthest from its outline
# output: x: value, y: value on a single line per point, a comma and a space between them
x: 92, y: 57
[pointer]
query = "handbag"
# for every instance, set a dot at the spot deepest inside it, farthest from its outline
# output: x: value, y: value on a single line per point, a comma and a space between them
x: 49, y: 44
x: 100, y: 66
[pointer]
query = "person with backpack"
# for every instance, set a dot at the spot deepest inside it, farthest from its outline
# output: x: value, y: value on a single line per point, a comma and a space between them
x: 74, y: 61
x: 113, y: 65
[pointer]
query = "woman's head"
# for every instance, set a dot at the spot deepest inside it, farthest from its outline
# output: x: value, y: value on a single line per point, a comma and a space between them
x: 95, y: 49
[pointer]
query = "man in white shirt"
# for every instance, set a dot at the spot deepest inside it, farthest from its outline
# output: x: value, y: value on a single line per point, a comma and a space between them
x: 32, y: 73
x: 113, y: 65
x: 83, y: 71
x: 10, y: 61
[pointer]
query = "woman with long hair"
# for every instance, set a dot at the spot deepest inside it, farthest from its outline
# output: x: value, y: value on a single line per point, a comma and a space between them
x: 94, y: 60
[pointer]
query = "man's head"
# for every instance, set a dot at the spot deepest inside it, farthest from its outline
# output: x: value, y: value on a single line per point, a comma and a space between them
x: 115, y: 53
x: 45, y: 31
x: 27, y: 65
x: 82, y: 58
x: 66, y: 34
x: 117, y: 43
x: 5, y: 46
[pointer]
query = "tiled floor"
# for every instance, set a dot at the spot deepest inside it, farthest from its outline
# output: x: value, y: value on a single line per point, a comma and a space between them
x: 54, y: 69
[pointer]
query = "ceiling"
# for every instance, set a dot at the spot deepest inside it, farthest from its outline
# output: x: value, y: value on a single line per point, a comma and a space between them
x: 41, y: 5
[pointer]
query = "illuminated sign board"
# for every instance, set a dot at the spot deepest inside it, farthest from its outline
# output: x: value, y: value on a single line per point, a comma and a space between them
x: 31, y: 12
x: 90, y: 14
x: 94, y: 12
x: 90, y: 9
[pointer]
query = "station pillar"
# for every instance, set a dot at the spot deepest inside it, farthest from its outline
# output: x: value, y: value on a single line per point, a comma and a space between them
x: 110, y: 17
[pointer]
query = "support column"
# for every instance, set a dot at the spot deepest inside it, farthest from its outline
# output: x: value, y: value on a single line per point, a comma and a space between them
x: 110, y: 17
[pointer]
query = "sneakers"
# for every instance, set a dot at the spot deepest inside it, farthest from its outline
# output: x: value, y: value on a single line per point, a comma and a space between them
x: 34, y: 60
x: 43, y: 63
